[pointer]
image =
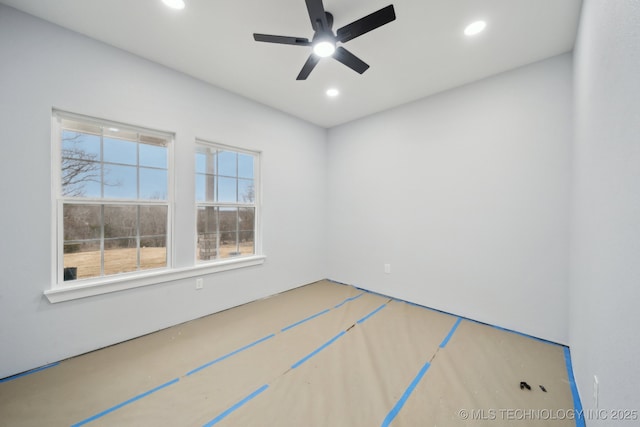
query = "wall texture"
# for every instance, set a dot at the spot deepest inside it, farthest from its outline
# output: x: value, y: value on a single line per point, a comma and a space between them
x: 43, y: 66
x: 605, y: 245
x: 466, y: 195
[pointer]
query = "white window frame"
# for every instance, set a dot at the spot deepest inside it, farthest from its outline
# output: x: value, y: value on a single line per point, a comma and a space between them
x: 60, y: 200
x: 257, y: 186
x: 65, y: 291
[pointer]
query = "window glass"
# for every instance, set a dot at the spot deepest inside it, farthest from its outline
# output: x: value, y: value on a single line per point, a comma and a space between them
x: 245, y: 166
x: 114, y: 192
x: 153, y: 156
x: 120, y: 182
x: 226, y: 202
x: 227, y: 163
x: 153, y: 184
x: 119, y: 151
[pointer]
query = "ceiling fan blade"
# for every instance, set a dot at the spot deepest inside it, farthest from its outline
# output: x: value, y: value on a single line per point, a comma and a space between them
x: 366, y: 24
x: 317, y: 15
x: 350, y: 60
x: 268, y: 38
x: 308, y: 66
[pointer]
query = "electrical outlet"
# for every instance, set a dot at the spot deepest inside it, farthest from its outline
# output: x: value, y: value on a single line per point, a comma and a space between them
x: 596, y: 386
x: 199, y: 283
x: 387, y: 268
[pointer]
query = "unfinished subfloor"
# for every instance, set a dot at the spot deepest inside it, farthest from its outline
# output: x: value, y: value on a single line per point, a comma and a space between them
x: 321, y: 355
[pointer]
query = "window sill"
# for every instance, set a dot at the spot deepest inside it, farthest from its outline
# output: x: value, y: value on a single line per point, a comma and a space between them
x: 115, y: 284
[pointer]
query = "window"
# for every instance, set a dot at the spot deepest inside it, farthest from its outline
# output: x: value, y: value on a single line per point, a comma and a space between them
x: 226, y: 182
x: 113, y: 198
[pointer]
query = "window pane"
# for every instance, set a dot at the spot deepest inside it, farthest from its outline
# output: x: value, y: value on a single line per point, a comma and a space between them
x: 247, y: 243
x: 82, y: 260
x: 153, y: 253
x: 227, y: 163
x: 228, y: 218
x: 120, y: 151
x: 245, y: 166
x: 207, y: 219
x: 153, y: 221
x: 246, y: 219
x: 201, y: 162
x: 120, y: 221
x: 246, y: 193
x: 120, y: 182
x: 205, y: 188
x: 81, y: 146
x: 246, y: 225
x: 153, y: 184
x: 120, y: 256
x: 227, y: 190
x: 81, y: 222
x: 206, y: 160
x: 153, y: 155
x: 80, y: 178
x: 207, y: 233
x: 200, y: 187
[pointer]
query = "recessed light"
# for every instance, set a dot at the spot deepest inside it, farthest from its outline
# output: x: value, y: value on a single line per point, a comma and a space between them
x: 332, y: 92
x: 114, y: 129
x: 475, y: 28
x: 174, y: 4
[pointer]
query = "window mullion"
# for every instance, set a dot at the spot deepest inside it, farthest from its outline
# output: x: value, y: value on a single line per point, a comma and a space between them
x: 101, y: 240
x: 102, y: 163
x: 216, y: 213
x: 138, y: 248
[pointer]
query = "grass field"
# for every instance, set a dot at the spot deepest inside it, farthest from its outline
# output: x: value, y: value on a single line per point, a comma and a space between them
x: 125, y: 260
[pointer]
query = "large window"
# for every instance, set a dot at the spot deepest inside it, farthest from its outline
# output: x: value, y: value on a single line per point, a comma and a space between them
x: 113, y: 198
x: 226, y: 183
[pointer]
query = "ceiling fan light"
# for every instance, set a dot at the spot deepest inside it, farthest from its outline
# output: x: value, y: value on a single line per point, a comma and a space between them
x: 324, y: 48
x: 174, y: 4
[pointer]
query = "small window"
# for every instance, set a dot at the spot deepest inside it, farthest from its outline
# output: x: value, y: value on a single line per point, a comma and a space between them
x: 113, y: 197
x: 226, y: 202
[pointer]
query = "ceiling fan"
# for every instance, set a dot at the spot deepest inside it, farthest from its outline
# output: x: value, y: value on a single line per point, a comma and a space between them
x: 324, y: 41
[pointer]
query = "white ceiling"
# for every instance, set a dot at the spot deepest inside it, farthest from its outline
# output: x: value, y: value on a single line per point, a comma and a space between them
x: 422, y: 52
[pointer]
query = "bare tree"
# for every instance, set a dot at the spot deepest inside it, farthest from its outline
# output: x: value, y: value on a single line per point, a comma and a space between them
x: 78, y: 167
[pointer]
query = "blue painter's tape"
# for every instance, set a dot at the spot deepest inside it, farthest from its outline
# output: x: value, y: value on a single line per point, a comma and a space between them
x: 542, y: 340
x: 24, y: 374
x: 317, y: 350
x: 577, y: 404
x: 286, y: 328
x: 398, y: 406
x: 126, y: 402
x: 220, y: 417
x: 448, y: 337
x: 221, y: 358
x: 372, y: 313
x: 452, y: 314
x: 349, y: 299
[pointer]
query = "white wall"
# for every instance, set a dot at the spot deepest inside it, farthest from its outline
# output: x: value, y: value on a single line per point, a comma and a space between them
x: 466, y: 195
x: 605, y: 246
x: 43, y: 66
